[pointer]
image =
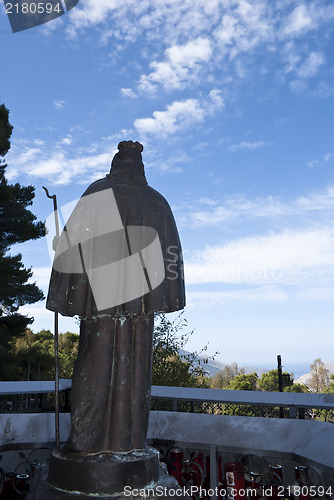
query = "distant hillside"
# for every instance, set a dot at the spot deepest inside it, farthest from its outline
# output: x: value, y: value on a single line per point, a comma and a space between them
x: 304, y: 379
x: 214, y: 366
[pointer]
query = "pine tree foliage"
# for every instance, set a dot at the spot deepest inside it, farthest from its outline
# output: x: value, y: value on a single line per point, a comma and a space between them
x: 17, y: 225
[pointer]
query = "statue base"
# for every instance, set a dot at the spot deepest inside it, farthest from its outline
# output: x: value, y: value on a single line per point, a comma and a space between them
x: 103, y: 473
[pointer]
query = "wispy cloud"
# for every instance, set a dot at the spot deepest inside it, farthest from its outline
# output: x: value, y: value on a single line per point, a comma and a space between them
x: 299, y: 21
x: 272, y: 268
x: 183, y: 65
x: 66, y: 161
x: 311, y: 66
x: 261, y: 294
x: 318, y: 163
x: 248, y: 145
x: 213, y: 212
x: 59, y: 104
x: 280, y: 258
x: 62, y: 162
x: 291, y: 256
x: 175, y: 163
x: 128, y: 93
x: 180, y: 115
x: 195, y: 38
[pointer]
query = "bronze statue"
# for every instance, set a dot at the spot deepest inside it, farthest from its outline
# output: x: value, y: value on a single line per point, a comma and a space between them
x: 118, y: 261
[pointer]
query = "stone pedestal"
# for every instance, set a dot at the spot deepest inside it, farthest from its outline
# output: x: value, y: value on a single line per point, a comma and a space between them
x: 103, y: 473
x: 166, y: 488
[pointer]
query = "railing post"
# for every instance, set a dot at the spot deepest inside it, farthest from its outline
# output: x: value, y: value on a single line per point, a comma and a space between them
x: 213, y: 469
x: 301, y: 413
x: 175, y: 404
x: 292, y: 412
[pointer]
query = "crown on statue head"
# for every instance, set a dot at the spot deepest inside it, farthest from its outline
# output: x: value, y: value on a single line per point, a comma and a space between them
x: 130, y: 144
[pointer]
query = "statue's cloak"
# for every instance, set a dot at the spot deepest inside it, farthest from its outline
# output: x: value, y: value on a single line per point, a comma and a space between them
x: 118, y: 254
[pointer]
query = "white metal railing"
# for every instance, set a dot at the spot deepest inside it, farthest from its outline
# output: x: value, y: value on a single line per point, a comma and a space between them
x: 33, y: 387
x: 293, y: 401
x: 290, y: 400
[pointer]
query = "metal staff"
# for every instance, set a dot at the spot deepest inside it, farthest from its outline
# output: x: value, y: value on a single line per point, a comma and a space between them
x: 54, y: 198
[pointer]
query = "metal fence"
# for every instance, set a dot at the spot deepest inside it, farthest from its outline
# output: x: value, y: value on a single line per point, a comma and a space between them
x: 38, y: 396
x: 244, y: 403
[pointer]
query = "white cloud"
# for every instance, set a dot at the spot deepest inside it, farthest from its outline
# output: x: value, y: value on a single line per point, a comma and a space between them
x: 311, y: 66
x: 216, y: 101
x: 313, y: 163
x: 299, y: 21
x: 291, y: 57
x: 298, y: 86
x: 192, y: 39
x: 294, y: 259
x: 212, y: 212
x: 182, y: 65
x: 128, y: 93
x: 180, y: 115
x: 260, y: 294
x: 250, y: 146
x: 318, y: 163
x: 89, y: 13
x: 39, y: 142
x: 64, y: 163
x: 59, y: 104
x: 67, y: 140
x: 127, y: 20
x: 243, y: 27
x: 175, y: 163
x: 61, y: 163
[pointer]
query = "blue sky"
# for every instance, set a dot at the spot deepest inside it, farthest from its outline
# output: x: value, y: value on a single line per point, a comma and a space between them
x: 233, y: 102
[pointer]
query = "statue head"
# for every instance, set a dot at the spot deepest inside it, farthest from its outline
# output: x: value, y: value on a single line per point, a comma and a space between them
x: 127, y: 163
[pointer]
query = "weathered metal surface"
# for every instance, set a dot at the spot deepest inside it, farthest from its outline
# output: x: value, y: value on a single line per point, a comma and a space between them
x: 165, y: 488
x: 110, y: 401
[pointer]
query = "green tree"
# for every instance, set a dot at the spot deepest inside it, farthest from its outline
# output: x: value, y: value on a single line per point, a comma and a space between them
x: 245, y: 382
x: 68, y: 350
x: 296, y: 388
x: 330, y: 388
x: 34, y: 356
x: 17, y: 225
x: 171, y: 365
x: 224, y: 378
x: 319, y: 380
x: 269, y: 381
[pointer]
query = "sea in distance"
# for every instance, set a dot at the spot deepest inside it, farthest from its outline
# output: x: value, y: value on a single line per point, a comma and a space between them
x: 298, y: 369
